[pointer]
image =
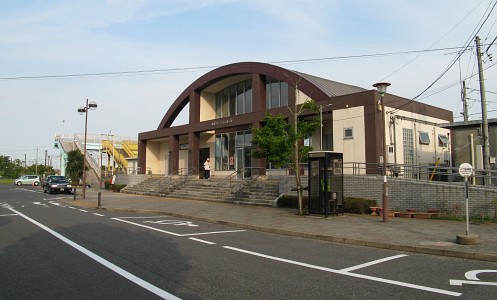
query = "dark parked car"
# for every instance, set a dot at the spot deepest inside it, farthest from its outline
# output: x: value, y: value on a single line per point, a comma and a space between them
x: 57, y: 184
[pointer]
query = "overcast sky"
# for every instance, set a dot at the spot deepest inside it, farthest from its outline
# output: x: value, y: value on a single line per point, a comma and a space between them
x: 354, y: 42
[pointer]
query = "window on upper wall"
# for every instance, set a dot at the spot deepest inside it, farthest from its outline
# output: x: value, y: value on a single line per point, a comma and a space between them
x: 443, y: 140
x: 348, y: 133
x: 424, y: 138
x: 276, y: 93
x: 234, y: 100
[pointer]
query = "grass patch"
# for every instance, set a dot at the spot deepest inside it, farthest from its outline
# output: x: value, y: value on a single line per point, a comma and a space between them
x: 472, y: 219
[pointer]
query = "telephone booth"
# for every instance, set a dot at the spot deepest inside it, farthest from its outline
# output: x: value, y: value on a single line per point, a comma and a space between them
x: 325, y: 182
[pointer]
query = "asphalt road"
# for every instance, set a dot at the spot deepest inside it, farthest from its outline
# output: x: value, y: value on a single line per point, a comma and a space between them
x: 52, y: 250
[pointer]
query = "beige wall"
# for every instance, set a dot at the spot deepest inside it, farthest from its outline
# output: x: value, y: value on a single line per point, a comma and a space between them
x: 207, y: 106
x: 354, y: 149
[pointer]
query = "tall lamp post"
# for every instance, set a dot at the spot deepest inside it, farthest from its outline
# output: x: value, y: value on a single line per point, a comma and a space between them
x: 84, y: 110
x: 382, y: 90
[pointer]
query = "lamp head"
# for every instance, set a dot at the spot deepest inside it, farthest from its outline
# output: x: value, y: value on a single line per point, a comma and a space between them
x: 381, y: 87
x: 92, y: 105
x: 81, y: 110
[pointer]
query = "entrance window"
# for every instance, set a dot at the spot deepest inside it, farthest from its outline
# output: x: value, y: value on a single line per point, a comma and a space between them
x: 226, y: 145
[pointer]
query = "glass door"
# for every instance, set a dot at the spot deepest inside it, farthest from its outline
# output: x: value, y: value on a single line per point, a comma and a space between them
x: 243, y: 162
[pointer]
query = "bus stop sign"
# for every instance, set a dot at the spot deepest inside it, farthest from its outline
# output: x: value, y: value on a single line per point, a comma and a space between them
x: 465, y: 170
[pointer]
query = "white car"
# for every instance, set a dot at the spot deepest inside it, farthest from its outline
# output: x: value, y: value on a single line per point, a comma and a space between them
x: 28, y: 179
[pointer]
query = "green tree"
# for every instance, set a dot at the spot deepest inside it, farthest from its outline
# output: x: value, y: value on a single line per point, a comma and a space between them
x: 74, y: 167
x: 279, y: 140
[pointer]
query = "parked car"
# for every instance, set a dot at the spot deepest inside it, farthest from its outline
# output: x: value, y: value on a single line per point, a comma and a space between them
x: 57, y: 184
x: 28, y: 179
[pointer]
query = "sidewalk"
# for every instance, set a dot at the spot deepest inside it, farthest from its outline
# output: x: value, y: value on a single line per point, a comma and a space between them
x: 434, y: 237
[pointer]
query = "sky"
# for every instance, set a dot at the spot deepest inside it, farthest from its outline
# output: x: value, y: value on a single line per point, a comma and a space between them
x: 135, y: 57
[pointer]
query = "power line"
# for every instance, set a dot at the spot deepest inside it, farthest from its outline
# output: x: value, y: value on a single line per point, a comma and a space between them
x: 195, y: 69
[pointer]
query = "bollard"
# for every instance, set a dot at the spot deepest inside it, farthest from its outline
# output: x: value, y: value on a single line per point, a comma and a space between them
x: 74, y: 194
x: 99, y: 199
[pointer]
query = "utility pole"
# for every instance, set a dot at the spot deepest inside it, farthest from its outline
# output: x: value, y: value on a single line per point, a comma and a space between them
x: 486, y: 144
x: 464, y: 102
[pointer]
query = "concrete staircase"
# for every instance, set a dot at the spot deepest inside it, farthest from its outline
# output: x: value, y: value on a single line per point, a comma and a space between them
x: 258, y: 191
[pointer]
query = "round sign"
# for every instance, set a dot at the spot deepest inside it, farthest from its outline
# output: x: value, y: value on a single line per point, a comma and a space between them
x: 465, y: 170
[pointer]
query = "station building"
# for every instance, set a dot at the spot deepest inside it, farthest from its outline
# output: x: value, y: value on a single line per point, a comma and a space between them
x: 226, y: 103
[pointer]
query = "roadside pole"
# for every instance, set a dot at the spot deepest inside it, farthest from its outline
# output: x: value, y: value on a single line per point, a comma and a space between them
x: 466, y: 170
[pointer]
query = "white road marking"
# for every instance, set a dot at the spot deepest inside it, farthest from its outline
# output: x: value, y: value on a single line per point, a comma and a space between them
x: 474, y: 282
x: 471, y: 275
x: 146, y: 285
x: 374, y: 262
x: 100, y: 215
x: 173, y: 222
x: 170, y: 222
x: 202, y: 241
x: 212, y: 232
x: 473, y: 278
x: 8, y: 215
x: 382, y: 280
x: 39, y: 203
x: 145, y: 226
x: 82, y: 210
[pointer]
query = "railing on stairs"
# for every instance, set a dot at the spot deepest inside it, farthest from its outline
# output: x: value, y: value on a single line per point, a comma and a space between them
x: 109, y: 147
x: 246, y: 181
x: 89, y: 159
x: 176, y: 178
x: 229, y: 178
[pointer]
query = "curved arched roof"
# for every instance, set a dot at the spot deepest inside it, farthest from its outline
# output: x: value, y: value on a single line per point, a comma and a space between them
x: 318, y: 88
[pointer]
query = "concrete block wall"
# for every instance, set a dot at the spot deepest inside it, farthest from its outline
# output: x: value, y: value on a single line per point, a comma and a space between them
x: 131, y: 179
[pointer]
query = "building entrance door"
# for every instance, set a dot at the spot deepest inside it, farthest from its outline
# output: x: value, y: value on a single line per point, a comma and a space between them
x: 243, y: 162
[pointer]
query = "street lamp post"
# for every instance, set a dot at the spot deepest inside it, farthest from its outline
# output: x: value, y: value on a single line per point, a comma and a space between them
x: 382, y: 90
x: 84, y: 110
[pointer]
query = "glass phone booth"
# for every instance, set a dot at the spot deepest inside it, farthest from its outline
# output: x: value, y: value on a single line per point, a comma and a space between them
x: 325, y: 182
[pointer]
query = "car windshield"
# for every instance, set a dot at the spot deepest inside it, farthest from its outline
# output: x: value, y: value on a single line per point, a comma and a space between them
x: 58, y: 178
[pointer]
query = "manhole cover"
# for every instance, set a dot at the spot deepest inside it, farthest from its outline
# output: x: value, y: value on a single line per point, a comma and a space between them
x: 439, y: 244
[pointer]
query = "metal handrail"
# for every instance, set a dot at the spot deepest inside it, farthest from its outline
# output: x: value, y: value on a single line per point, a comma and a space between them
x: 229, y: 177
x: 246, y: 181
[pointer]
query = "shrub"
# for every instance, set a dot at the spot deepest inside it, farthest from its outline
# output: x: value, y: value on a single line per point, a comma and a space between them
x: 117, y: 187
x: 107, y: 184
x: 358, y: 205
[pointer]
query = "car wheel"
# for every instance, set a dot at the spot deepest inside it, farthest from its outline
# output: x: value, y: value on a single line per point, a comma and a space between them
x: 36, y: 183
x: 18, y: 183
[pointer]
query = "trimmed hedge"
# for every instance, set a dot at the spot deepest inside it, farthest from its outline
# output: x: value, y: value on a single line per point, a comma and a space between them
x: 350, y: 204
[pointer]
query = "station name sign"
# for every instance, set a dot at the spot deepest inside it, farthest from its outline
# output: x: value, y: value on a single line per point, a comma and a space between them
x: 221, y: 122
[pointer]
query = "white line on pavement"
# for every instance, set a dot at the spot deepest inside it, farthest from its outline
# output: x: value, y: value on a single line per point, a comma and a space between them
x: 8, y: 215
x: 100, y: 215
x: 82, y: 210
x: 146, y: 285
x: 374, y: 262
x: 202, y: 241
x: 212, y: 232
x: 388, y: 281
x: 145, y: 226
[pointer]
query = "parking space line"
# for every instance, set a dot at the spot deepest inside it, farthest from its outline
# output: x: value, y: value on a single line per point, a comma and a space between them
x: 145, y: 226
x: 135, y: 279
x: 377, y: 279
x: 374, y: 262
x: 82, y: 210
x: 8, y: 215
x: 202, y: 241
x: 100, y: 215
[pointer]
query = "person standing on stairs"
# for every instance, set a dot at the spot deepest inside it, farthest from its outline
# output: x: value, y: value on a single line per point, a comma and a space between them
x: 207, y: 168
